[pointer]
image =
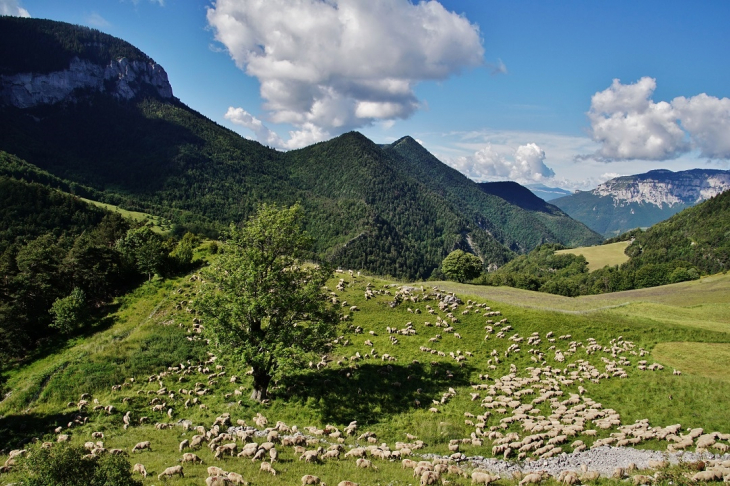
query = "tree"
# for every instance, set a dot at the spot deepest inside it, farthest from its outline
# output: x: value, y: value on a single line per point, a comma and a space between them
x: 70, y: 312
x: 262, y: 303
x: 461, y: 266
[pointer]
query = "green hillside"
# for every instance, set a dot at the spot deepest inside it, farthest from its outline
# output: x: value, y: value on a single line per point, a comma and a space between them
x: 687, y: 245
x: 389, y: 398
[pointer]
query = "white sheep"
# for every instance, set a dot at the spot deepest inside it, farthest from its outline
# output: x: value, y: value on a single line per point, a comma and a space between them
x: 170, y: 472
x: 139, y: 468
x: 266, y: 467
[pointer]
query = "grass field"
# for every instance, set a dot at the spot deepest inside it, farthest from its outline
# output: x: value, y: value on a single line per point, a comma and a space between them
x: 146, y: 335
x: 601, y: 255
x: 156, y: 223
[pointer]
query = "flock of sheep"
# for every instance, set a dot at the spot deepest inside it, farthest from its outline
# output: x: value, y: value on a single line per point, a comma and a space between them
x: 521, y: 414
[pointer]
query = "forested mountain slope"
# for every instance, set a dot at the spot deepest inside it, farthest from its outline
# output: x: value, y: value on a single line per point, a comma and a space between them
x: 124, y: 139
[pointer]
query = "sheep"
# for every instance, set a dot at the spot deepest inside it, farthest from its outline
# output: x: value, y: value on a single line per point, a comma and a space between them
x: 139, y: 468
x: 190, y: 457
x: 347, y: 483
x: 429, y: 477
x: 236, y: 478
x: 365, y: 464
x: 266, y: 467
x: 310, y: 479
x: 708, y: 475
x: 216, y: 471
x: 141, y: 446
x: 478, y: 477
x: 590, y: 476
x: 170, y: 472
x: 217, y: 481
x: 533, y: 478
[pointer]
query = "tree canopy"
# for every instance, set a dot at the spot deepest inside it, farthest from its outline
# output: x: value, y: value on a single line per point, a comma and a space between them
x: 263, y: 303
x: 461, y: 266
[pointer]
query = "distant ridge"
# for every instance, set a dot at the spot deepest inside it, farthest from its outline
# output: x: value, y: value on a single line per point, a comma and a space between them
x: 641, y: 200
x: 548, y: 193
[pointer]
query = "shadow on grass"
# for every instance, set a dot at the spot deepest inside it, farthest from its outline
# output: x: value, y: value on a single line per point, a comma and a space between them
x: 18, y: 430
x: 372, y: 390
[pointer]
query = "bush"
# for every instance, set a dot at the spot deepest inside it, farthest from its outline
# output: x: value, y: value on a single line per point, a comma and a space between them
x: 64, y: 465
x: 69, y: 313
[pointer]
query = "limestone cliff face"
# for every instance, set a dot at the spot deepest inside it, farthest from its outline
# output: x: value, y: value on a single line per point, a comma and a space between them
x: 664, y: 188
x: 121, y: 78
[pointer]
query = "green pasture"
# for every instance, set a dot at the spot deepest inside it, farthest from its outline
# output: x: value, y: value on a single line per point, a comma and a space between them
x: 601, y: 255
x: 150, y: 331
x: 156, y: 223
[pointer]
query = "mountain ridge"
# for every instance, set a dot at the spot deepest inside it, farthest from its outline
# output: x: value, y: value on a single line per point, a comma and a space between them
x: 641, y: 200
x: 368, y: 206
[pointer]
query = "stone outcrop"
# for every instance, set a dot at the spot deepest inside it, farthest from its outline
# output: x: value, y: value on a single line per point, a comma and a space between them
x: 665, y: 188
x: 122, y: 79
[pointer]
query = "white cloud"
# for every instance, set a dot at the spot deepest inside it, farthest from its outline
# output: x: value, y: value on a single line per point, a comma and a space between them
x: 12, y: 8
x: 497, y: 68
x: 630, y: 125
x: 707, y: 119
x: 329, y: 66
x: 96, y: 20
x: 524, y: 165
x: 241, y: 117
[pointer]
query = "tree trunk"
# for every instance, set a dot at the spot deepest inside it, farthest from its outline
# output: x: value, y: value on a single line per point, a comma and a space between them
x: 261, y: 381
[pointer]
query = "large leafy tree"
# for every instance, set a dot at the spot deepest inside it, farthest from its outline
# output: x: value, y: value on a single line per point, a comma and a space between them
x: 264, y: 305
x: 461, y: 266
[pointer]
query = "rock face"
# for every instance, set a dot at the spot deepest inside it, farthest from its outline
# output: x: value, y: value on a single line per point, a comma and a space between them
x: 121, y: 78
x: 664, y: 187
x: 642, y: 200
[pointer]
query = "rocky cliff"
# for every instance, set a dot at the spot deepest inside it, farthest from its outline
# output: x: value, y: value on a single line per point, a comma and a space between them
x: 642, y: 200
x: 121, y: 78
x: 666, y: 188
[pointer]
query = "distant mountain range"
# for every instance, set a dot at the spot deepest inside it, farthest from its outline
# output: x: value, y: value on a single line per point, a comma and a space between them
x: 641, y: 200
x: 547, y: 193
x: 99, y: 117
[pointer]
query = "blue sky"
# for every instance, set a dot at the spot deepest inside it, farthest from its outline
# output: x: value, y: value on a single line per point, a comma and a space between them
x: 520, y: 90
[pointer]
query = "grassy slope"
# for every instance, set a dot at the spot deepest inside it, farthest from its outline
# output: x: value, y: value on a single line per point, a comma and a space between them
x: 139, y: 344
x: 157, y: 224
x: 601, y: 255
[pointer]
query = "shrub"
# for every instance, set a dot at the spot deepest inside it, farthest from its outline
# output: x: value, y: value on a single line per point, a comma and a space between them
x: 65, y: 465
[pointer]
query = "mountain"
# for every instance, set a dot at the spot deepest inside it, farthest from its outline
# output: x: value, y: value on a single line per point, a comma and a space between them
x: 547, y: 193
x: 642, y: 200
x: 98, y: 117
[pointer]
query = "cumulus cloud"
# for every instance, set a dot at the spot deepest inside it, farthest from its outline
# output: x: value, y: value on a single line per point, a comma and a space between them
x: 263, y: 134
x: 525, y: 165
x: 328, y: 66
x: 707, y: 119
x: 12, y: 8
x: 630, y: 125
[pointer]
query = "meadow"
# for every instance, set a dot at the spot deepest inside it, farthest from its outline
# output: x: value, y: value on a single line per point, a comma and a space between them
x: 158, y: 224
x: 601, y: 255
x: 422, y: 389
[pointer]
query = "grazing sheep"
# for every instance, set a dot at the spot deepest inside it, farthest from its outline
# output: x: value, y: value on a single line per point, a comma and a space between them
x: 347, y: 483
x: 365, y: 464
x: 216, y: 471
x: 429, y: 477
x: 590, y: 476
x: 309, y: 479
x: 190, y: 457
x: 480, y: 477
x: 141, y: 445
x: 266, y: 467
x: 184, y: 444
x: 533, y: 478
x: 217, y: 481
x: 236, y: 478
x: 170, y: 472
x: 708, y: 475
x: 139, y: 468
